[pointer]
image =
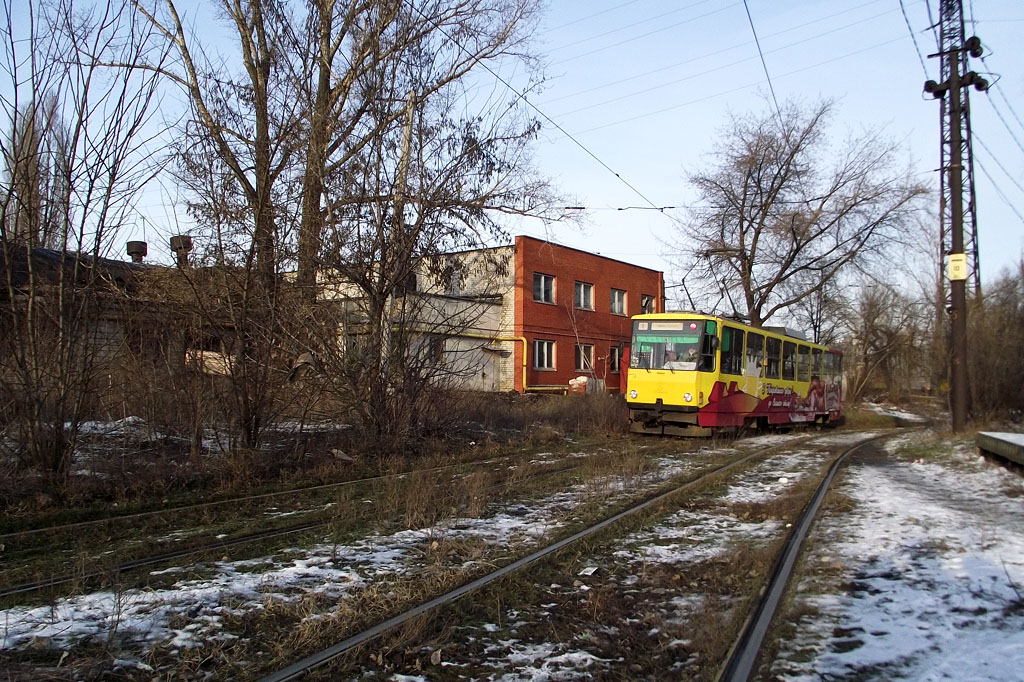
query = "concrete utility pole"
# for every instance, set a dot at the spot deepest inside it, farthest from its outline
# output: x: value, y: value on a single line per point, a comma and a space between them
x: 954, y: 55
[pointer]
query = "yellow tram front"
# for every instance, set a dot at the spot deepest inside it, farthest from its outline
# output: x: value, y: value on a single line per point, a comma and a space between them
x: 671, y: 372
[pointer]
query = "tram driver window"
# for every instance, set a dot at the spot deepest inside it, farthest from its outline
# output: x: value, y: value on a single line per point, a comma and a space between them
x: 773, y: 353
x: 755, y: 355
x: 708, y: 346
x: 816, y: 369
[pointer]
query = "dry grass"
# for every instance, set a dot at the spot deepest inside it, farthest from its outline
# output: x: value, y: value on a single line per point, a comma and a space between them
x: 424, y: 498
x: 861, y: 418
x: 135, y: 472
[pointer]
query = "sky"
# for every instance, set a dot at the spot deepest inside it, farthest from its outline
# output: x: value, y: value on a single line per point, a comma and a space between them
x: 637, y: 94
x: 644, y: 88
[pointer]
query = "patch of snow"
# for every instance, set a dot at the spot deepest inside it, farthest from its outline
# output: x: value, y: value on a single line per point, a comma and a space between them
x: 844, y: 438
x: 933, y: 563
x: 1015, y: 438
x: 892, y: 411
x: 771, y: 477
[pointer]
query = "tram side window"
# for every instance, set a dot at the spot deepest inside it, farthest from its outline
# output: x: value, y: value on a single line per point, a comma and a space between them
x: 816, y: 369
x: 755, y: 355
x: 803, y: 363
x: 732, y: 350
x: 773, y: 352
x: 788, y: 360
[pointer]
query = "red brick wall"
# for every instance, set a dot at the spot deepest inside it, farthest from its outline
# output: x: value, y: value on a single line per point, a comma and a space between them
x: 566, y: 325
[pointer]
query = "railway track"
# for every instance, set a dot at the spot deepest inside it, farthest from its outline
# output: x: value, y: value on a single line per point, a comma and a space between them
x: 234, y: 502
x: 743, y: 657
x: 743, y: 652
x: 121, y: 569
x: 697, y: 475
x: 86, y: 542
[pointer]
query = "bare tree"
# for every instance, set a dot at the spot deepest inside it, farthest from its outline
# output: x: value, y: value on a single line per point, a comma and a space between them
x: 781, y: 215
x: 78, y: 153
x: 353, y: 142
x: 997, y: 322
x: 821, y: 312
x: 886, y: 346
x: 432, y: 184
x: 35, y: 160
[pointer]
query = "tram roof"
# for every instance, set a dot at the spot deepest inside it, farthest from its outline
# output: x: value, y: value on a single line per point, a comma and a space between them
x: 694, y: 315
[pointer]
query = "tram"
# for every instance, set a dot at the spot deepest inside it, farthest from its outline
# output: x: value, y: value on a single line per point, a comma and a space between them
x: 692, y: 374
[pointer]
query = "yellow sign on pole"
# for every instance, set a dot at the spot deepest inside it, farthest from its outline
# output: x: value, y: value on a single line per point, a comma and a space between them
x: 957, y: 266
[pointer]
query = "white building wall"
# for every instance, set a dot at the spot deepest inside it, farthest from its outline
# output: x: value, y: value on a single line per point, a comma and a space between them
x: 467, y: 297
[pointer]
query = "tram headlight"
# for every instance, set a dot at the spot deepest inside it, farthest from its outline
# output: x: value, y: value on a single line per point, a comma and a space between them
x: 688, y: 397
x: 632, y: 394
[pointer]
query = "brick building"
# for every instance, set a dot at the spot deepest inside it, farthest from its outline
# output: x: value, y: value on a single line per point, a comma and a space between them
x: 543, y: 314
x: 572, y: 309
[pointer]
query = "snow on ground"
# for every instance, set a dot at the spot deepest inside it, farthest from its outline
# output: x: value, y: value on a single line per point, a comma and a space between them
x: 926, y: 572
x: 679, y: 538
x: 141, y: 619
x: 892, y: 411
x: 1015, y: 438
x: 927, y: 576
x: 773, y: 475
x: 844, y: 437
x: 142, y: 616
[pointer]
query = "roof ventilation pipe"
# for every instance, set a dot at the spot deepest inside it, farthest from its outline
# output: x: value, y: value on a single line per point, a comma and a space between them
x: 137, y: 251
x: 181, y: 244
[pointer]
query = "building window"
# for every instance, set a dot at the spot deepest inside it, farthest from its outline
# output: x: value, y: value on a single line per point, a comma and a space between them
x: 543, y: 354
x: 584, y: 296
x: 584, y: 357
x: 407, y: 285
x: 543, y: 288
x: 646, y: 304
x: 436, y: 349
x: 618, y: 302
x: 614, y: 358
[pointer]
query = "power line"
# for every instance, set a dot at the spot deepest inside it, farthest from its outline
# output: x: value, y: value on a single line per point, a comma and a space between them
x: 999, y: 89
x: 1013, y: 135
x: 735, y: 46
x: 913, y: 37
x: 692, y: 75
x: 589, y: 16
x: 522, y: 96
x: 738, y: 88
x: 1001, y: 166
x: 654, y: 87
x: 619, y: 29
x: 999, y: 113
x: 648, y: 34
x: 763, y: 63
x: 999, y: 191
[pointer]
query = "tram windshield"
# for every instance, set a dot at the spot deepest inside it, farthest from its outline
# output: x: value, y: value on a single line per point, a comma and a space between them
x: 666, y: 344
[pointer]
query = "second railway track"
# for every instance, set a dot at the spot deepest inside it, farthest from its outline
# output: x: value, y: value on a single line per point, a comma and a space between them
x: 743, y: 653
x: 430, y: 594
